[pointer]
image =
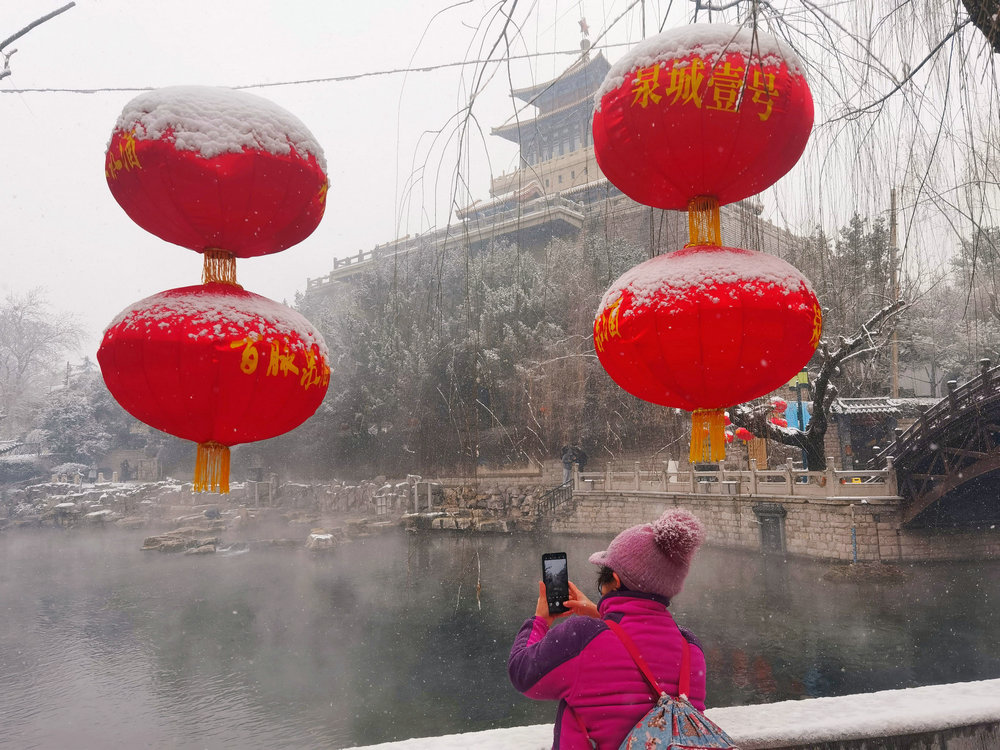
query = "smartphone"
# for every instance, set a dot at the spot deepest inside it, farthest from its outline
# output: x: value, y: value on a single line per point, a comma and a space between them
x: 555, y: 575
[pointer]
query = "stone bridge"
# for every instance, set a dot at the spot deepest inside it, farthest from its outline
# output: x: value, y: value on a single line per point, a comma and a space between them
x: 947, y: 463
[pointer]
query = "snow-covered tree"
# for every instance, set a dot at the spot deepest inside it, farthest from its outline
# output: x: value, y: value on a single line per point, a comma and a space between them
x: 81, y: 421
x: 34, y: 342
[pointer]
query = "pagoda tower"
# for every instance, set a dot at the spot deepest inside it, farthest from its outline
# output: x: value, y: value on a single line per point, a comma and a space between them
x: 556, y: 147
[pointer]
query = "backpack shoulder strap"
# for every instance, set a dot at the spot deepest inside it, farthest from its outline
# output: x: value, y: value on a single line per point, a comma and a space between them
x: 684, y: 679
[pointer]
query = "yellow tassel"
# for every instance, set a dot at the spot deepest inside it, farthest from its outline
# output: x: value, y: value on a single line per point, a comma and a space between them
x: 704, y: 226
x: 708, y: 435
x: 220, y: 266
x: 211, y: 468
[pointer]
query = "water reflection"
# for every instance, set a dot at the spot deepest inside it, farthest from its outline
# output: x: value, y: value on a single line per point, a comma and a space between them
x: 407, y: 635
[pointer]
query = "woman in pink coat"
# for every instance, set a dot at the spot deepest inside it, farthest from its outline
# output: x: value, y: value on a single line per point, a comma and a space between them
x: 583, y: 664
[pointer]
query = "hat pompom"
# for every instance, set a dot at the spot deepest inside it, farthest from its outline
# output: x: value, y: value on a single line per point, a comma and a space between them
x: 678, y: 533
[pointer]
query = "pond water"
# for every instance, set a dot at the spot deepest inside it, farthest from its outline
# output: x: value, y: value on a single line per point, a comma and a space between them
x: 387, y: 637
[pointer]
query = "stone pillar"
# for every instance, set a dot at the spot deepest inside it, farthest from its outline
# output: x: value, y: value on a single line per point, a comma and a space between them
x: 890, y: 477
x: 753, y: 476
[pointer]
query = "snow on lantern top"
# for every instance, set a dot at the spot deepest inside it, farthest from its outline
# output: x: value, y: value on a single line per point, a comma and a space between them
x: 215, y: 169
x: 707, y: 110
x: 217, y: 312
x: 211, y: 121
x: 710, y: 41
x: 705, y: 273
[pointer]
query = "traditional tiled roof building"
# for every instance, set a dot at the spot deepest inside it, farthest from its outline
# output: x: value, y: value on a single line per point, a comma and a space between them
x: 557, y: 188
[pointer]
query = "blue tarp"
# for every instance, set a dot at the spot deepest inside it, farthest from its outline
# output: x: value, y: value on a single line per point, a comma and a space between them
x: 792, y: 414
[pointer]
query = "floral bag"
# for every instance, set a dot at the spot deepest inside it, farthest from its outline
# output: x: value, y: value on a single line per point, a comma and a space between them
x: 673, y: 723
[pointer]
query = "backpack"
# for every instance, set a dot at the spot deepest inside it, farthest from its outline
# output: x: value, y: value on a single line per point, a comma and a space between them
x: 673, y: 723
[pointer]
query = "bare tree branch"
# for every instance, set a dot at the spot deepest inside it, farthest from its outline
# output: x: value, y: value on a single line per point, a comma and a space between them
x: 755, y: 417
x: 17, y: 35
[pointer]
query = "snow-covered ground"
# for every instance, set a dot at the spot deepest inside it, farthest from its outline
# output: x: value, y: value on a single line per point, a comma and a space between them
x: 883, y: 714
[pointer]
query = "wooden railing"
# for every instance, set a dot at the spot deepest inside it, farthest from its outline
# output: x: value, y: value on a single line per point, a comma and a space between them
x: 976, y: 394
x: 786, y: 480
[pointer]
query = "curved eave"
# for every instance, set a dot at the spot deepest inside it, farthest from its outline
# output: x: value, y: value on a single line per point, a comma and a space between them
x: 512, y: 130
x: 592, y: 68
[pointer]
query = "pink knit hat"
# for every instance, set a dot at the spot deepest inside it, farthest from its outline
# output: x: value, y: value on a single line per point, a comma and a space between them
x: 655, y: 557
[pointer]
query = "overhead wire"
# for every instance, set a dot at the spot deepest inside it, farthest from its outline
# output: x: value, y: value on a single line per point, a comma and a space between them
x: 307, y: 81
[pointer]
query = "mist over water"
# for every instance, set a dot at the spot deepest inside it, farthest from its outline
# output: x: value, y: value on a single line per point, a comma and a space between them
x: 386, y: 637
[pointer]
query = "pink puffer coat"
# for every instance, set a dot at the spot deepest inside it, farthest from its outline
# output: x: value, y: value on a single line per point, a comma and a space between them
x: 583, y: 664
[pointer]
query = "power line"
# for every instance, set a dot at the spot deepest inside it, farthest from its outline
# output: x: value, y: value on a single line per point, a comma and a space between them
x: 304, y: 81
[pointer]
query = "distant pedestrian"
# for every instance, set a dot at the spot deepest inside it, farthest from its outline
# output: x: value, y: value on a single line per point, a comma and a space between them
x: 580, y: 456
x: 568, y: 458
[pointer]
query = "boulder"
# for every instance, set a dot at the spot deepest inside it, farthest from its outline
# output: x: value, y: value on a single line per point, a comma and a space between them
x: 202, y: 549
x: 320, y: 540
x: 175, y: 543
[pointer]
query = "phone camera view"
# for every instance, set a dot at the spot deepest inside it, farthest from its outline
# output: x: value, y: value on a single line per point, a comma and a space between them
x: 555, y: 575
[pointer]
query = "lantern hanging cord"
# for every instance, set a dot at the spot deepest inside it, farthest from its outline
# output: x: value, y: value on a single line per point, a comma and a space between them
x: 220, y: 267
x: 704, y: 224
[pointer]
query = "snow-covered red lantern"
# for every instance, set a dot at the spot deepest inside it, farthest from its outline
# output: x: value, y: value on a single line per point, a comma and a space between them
x: 704, y: 328
x: 779, y: 421
x: 779, y: 405
x: 729, y: 437
x: 705, y: 110
x: 216, y: 170
x: 216, y: 365
x: 744, y: 434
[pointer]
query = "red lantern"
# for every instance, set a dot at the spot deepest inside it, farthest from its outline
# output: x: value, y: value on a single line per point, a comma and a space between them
x: 779, y: 421
x: 729, y: 437
x: 703, y: 328
x: 744, y: 434
x: 210, y: 168
x: 779, y: 405
x: 217, y: 365
x: 703, y: 110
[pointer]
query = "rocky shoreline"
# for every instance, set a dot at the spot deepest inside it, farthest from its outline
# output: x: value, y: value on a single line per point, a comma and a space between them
x: 316, y: 517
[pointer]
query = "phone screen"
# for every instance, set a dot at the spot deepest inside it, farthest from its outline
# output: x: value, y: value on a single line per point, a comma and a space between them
x: 555, y: 575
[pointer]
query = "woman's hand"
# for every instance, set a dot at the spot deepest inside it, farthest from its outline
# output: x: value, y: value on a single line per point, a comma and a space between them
x: 542, y: 606
x: 579, y: 604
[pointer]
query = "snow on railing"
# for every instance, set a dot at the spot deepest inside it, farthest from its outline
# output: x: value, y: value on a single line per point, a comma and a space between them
x: 786, y: 480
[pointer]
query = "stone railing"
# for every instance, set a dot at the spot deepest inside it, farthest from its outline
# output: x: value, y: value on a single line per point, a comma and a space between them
x: 960, y: 716
x: 785, y: 480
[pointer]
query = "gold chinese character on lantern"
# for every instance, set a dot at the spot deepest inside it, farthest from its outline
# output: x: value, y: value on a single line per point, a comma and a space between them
x: 764, y: 92
x: 686, y: 82
x: 281, y: 362
x: 647, y: 81
x: 607, y: 326
x: 124, y: 160
x: 248, y: 362
x: 313, y: 375
x: 727, y: 87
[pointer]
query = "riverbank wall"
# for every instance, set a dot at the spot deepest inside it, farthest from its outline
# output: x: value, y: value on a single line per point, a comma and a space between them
x: 835, y: 515
x: 960, y: 716
x: 846, y: 529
